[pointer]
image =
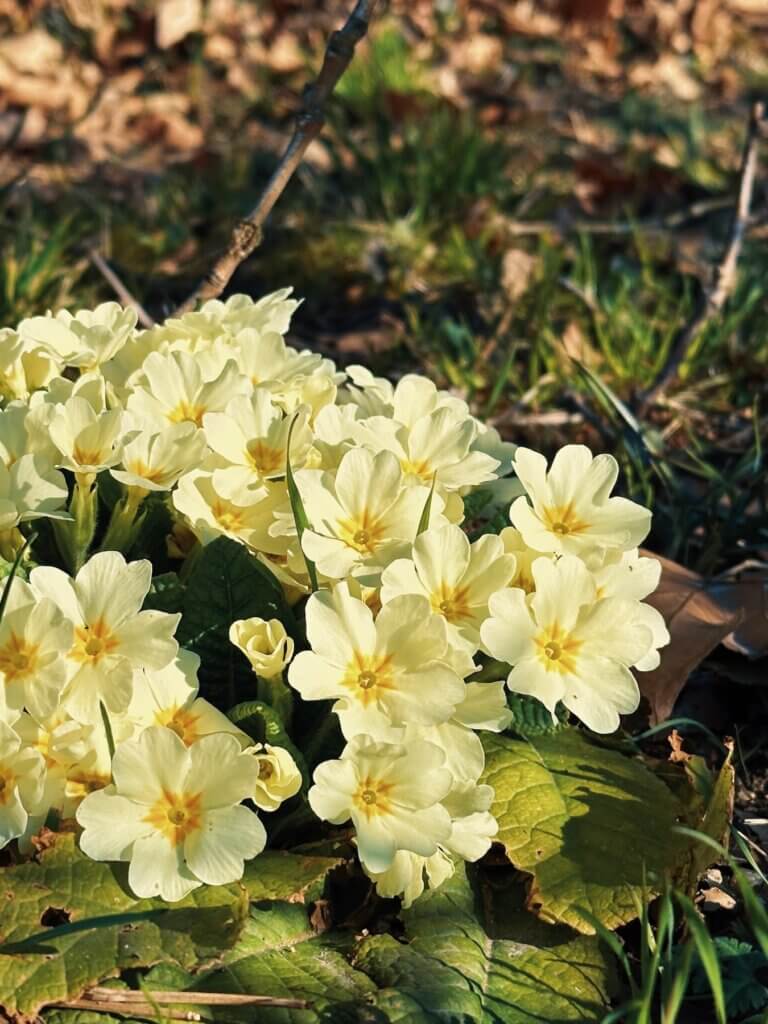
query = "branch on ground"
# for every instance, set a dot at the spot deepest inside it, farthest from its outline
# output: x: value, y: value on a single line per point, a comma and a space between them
x: 119, y: 288
x: 247, y: 234
x: 714, y: 297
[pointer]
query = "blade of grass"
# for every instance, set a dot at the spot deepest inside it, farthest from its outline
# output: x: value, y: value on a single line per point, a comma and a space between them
x: 88, y: 924
x: 674, y: 990
x: 297, y: 506
x: 613, y: 942
x: 107, y: 729
x: 11, y: 575
x: 427, y: 510
x: 707, y: 954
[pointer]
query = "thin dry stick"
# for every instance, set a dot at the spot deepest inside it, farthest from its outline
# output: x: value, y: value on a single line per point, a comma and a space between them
x: 119, y: 288
x: 126, y: 1009
x: 714, y: 297
x: 101, y: 993
x: 247, y: 234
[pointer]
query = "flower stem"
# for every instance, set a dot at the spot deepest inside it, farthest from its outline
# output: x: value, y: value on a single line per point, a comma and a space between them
x: 125, y: 522
x: 74, y: 537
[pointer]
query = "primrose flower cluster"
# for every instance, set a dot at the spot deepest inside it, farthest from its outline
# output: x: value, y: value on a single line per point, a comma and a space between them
x: 207, y: 417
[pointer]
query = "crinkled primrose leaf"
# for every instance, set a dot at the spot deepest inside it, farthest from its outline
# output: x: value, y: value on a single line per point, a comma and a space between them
x: 587, y: 823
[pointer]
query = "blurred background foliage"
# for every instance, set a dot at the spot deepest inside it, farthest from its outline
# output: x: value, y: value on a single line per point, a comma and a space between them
x: 522, y: 199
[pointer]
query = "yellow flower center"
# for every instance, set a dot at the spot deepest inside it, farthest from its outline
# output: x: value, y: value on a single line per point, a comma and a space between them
x: 188, y: 412
x: 228, y: 517
x: 7, y: 783
x: 451, y: 602
x: 179, y: 720
x: 93, y: 642
x: 364, y: 533
x: 79, y: 786
x: 367, y: 675
x: 264, y: 458
x: 139, y: 468
x: 420, y: 468
x: 557, y: 650
x: 175, y: 815
x: 18, y: 659
x: 86, y: 456
x: 372, y: 797
x: 563, y: 519
x: 266, y: 771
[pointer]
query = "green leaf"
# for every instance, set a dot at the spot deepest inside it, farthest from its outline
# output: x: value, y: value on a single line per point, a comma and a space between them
x: 297, y: 506
x: 279, y: 875
x: 575, y: 816
x: 166, y: 593
x: 73, y: 888
x: 509, y: 968
x: 424, y: 518
x: 227, y: 583
x: 264, y: 725
x: 280, y: 955
x: 11, y: 575
x: 708, y: 806
x: 531, y: 718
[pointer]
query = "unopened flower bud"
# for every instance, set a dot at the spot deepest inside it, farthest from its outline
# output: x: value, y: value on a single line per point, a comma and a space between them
x: 264, y: 643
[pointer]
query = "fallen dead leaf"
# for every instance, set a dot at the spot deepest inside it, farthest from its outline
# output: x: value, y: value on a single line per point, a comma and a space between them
x: 175, y: 20
x: 745, y: 587
x: 517, y: 269
x: 697, y: 623
x: 714, y: 899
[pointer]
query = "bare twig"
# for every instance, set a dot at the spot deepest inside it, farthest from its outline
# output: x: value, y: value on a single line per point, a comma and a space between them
x: 714, y: 297
x: 247, y: 234
x: 119, y: 288
x: 142, y: 1004
x: 125, y: 1009
x: 516, y: 228
x: 192, y: 998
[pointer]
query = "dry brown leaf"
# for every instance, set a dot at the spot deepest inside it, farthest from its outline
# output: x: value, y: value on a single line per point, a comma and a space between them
x: 577, y: 346
x: 517, y: 269
x: 176, y: 19
x: 697, y: 623
x: 479, y: 54
x: 745, y: 587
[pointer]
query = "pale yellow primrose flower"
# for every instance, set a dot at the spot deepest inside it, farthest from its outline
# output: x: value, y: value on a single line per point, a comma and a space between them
x: 437, y: 446
x: 112, y: 636
x: 34, y: 638
x: 363, y: 517
x: 472, y: 832
x: 22, y: 777
x: 88, y: 441
x: 627, y: 575
x: 30, y: 489
x: 524, y: 557
x: 24, y: 430
x: 175, y: 813
x: 455, y: 576
x: 154, y: 460
x: 268, y: 362
x: 86, y: 339
x: 217, y: 504
x: 409, y: 874
x: 571, y: 511
x: 63, y: 744
x: 168, y: 696
x: 392, y: 794
x: 566, y: 645
x: 265, y: 644
x: 252, y: 433
x: 279, y: 778
x: 387, y: 672
x: 175, y: 390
